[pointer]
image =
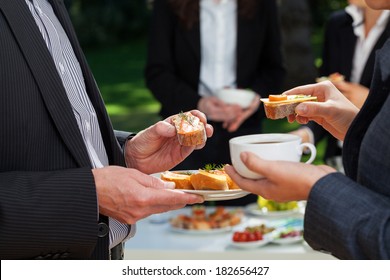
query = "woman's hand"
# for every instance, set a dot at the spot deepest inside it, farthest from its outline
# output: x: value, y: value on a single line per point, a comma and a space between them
x: 284, y: 180
x: 157, y: 148
x: 334, y: 111
x: 233, y: 125
x: 355, y: 93
x: 217, y: 110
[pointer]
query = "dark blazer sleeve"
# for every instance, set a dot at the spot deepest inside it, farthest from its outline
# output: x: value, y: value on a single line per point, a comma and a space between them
x: 48, y: 214
x: 260, y: 64
x: 172, y: 83
x: 337, y: 54
x: 347, y: 219
x: 339, y: 45
x: 350, y: 216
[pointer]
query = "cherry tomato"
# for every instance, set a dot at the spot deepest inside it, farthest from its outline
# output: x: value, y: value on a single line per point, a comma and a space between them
x: 251, y: 236
x: 258, y: 235
x: 236, y: 236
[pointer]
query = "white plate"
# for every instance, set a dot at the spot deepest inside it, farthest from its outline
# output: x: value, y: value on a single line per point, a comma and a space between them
x: 254, y: 209
x: 219, y: 195
x: 212, y: 195
x: 201, y: 232
x: 288, y: 240
x: 267, y: 238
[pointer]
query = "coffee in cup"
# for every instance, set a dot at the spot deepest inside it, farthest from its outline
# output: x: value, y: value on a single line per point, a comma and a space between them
x: 269, y: 146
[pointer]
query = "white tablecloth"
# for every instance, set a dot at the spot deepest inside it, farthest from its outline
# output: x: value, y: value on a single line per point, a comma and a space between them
x: 157, y: 240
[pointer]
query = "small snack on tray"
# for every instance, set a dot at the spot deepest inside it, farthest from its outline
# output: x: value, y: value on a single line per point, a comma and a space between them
x: 201, y: 220
x: 335, y: 77
x: 280, y: 106
x: 211, y: 177
x: 190, y: 130
x: 181, y: 179
x: 204, y: 180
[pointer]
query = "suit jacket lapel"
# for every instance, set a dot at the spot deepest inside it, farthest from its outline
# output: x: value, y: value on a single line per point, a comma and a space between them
x: 367, y: 74
x: 193, y: 38
x: 45, y: 73
x: 379, y: 92
x: 348, y: 42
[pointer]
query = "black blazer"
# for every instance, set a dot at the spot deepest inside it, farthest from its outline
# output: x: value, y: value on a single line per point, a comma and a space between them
x: 173, y: 64
x: 349, y: 215
x: 338, y: 52
x: 47, y: 191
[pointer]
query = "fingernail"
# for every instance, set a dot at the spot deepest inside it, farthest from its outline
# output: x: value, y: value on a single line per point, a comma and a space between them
x: 244, y: 156
x: 301, y: 109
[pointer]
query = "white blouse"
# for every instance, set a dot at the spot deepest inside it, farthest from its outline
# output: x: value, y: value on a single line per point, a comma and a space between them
x: 218, y: 38
x: 364, y: 44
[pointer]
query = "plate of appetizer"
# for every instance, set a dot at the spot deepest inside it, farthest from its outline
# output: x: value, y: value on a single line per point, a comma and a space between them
x: 212, y: 182
x: 253, y: 237
x: 201, y: 221
x: 270, y: 208
x: 289, y: 235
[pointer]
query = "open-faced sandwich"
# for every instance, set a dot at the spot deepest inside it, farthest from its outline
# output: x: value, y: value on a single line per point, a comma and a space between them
x: 180, y: 178
x: 190, y: 130
x: 280, y: 106
x: 211, y: 177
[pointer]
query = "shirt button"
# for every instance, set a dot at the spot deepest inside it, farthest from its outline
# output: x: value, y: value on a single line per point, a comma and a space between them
x: 87, y: 126
x: 39, y: 9
x: 62, y: 68
x: 102, y: 229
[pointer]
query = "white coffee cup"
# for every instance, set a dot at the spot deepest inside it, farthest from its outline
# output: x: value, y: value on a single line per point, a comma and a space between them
x: 271, y: 146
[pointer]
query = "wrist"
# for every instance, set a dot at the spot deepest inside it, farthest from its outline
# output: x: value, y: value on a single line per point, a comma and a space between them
x: 127, y: 157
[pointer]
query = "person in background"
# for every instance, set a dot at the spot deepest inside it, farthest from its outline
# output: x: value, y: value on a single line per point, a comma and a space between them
x: 65, y: 191
x: 199, y: 47
x: 352, y: 37
x: 346, y: 215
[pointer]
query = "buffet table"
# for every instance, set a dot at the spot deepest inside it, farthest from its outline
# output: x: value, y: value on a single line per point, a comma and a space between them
x: 156, y: 239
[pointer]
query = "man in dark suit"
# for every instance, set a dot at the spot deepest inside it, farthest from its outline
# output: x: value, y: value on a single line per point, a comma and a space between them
x: 64, y: 191
x: 346, y: 215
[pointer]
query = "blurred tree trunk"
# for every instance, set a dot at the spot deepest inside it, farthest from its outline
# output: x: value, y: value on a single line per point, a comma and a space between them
x: 296, y: 25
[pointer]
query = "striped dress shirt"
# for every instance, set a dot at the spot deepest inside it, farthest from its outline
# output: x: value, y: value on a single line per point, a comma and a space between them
x: 71, y: 75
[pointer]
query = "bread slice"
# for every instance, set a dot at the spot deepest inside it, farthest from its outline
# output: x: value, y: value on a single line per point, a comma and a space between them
x: 204, y: 180
x: 181, y: 179
x: 190, y: 130
x: 281, y: 109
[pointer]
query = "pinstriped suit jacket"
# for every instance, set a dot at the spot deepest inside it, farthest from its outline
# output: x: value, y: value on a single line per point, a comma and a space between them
x: 350, y: 216
x: 48, y: 204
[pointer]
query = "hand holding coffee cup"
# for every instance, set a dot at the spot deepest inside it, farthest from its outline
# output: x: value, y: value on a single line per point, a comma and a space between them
x: 272, y: 146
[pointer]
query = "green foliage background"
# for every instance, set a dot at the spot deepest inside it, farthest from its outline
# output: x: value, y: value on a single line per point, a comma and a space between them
x: 113, y: 35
